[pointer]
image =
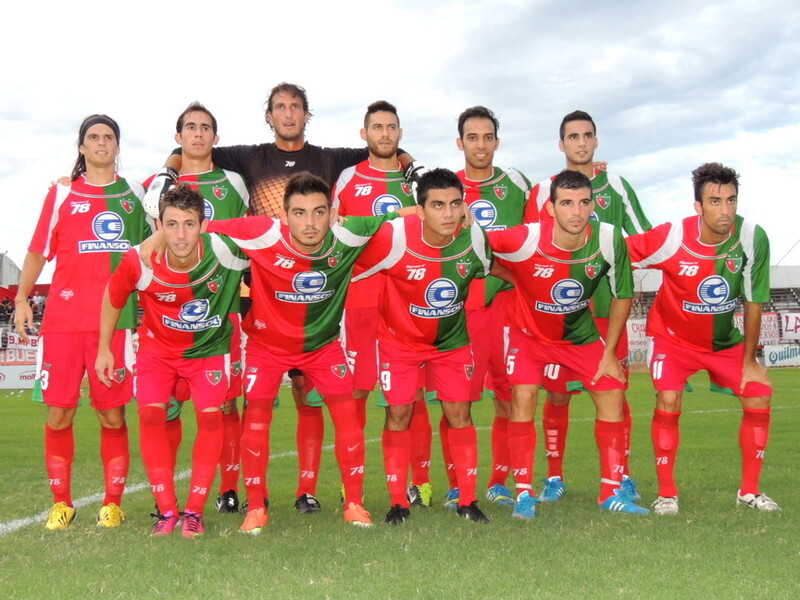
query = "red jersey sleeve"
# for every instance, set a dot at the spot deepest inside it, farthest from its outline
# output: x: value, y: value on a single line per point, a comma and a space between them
x: 378, y: 248
x: 643, y: 247
x: 246, y: 228
x: 43, y: 241
x: 123, y: 280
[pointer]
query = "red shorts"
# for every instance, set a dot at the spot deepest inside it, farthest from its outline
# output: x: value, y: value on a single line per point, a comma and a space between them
x: 449, y: 373
x: 324, y: 369
x: 529, y: 362
x: 64, y: 358
x: 361, y: 344
x: 487, y: 328
x: 206, y: 378
x: 559, y: 384
x: 671, y: 364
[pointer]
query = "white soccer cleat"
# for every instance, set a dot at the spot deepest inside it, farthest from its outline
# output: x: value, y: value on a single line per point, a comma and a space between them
x: 666, y: 505
x: 757, y: 501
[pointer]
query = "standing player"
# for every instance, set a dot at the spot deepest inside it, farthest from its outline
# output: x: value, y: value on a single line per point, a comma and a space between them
x: 498, y: 199
x: 708, y: 261
x: 301, y: 267
x: 226, y: 197
x: 429, y: 262
x: 86, y: 227
x: 189, y: 303
x: 557, y: 266
x: 616, y: 203
x: 267, y: 168
x: 374, y: 187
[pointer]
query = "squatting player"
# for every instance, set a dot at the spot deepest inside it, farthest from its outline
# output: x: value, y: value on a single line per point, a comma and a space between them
x: 226, y: 197
x: 557, y: 266
x: 429, y: 261
x: 190, y: 301
x: 498, y: 199
x: 86, y: 226
x: 708, y: 261
x: 615, y: 202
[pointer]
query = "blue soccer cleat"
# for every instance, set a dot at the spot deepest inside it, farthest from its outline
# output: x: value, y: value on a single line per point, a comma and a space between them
x: 500, y: 494
x: 525, y: 507
x: 451, y: 499
x: 553, y: 490
x: 621, y: 502
x: 629, y: 487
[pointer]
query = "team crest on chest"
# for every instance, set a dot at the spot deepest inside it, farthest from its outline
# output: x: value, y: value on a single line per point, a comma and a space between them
x: 126, y: 206
x: 213, y: 285
x: 501, y: 191
x: 339, y: 370
x: 219, y: 192
x: 334, y: 260
x: 214, y: 377
x: 592, y: 270
x: 406, y: 189
x: 734, y: 263
x: 603, y: 200
x: 462, y: 268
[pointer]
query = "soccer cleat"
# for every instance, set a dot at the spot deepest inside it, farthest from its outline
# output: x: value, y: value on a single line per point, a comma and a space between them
x: 629, y: 487
x: 757, y: 501
x: 525, y: 506
x: 60, y: 516
x: 500, y: 494
x: 553, y: 490
x: 419, y: 496
x: 451, y: 499
x: 192, y: 525
x: 165, y: 524
x: 110, y: 515
x: 307, y: 504
x: 228, y: 502
x: 397, y: 515
x: 255, y: 521
x: 621, y: 502
x: 666, y: 505
x: 357, y: 515
x: 473, y: 513
x: 244, y: 508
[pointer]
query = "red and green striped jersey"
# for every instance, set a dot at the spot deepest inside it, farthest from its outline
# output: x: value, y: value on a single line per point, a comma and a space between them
x: 224, y: 191
x: 186, y: 314
x: 615, y: 202
x: 362, y: 191
x: 298, y: 299
x: 697, y: 299
x: 422, y: 305
x: 496, y: 203
x: 553, y: 287
x: 87, y: 229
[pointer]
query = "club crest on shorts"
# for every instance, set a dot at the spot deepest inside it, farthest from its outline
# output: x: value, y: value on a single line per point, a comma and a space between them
x: 214, y: 377
x: 126, y: 206
x: 236, y: 368
x: 501, y: 191
x: 603, y: 200
x: 734, y: 264
x: 117, y: 375
x: 469, y: 370
x: 219, y: 192
x: 339, y: 370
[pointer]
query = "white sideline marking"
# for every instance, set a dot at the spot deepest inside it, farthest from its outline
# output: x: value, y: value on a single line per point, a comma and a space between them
x: 17, y: 524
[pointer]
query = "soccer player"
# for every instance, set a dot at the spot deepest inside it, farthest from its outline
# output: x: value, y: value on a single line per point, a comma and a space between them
x: 266, y: 168
x: 557, y: 266
x: 616, y: 203
x: 497, y: 198
x: 301, y: 266
x: 708, y: 261
x: 85, y: 226
x: 374, y: 187
x: 189, y: 302
x: 429, y: 261
x: 225, y: 197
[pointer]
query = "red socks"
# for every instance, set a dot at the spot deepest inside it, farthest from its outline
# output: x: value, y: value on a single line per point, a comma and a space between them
x: 396, y: 455
x: 753, y: 436
x: 421, y: 433
x: 116, y: 458
x: 157, y: 457
x: 229, y: 461
x: 175, y: 436
x: 666, y: 435
x: 521, y: 446
x: 609, y: 436
x: 349, y: 445
x: 464, y: 449
x: 255, y: 452
x: 627, y: 423
x: 205, y: 457
x: 500, y: 458
x: 310, y: 434
x: 59, y: 451
x: 555, y: 423
x: 450, y: 468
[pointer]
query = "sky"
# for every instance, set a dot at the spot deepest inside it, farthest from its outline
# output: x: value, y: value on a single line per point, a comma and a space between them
x: 669, y: 85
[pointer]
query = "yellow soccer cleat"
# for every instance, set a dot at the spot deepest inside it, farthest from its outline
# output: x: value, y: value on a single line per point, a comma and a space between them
x: 110, y: 515
x: 60, y: 516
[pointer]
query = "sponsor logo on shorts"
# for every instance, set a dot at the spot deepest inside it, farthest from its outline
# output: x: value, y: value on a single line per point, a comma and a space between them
x: 566, y: 296
x: 66, y: 293
x: 309, y: 288
x: 485, y: 214
x: 384, y: 204
x: 108, y: 228
x: 192, y: 317
x: 713, y: 294
x: 440, y: 296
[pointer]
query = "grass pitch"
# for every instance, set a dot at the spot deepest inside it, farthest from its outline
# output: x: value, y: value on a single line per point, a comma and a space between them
x: 713, y: 549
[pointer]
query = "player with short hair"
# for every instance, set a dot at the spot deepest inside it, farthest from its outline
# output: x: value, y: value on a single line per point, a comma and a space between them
x: 557, y: 266
x: 86, y: 226
x: 498, y: 199
x: 429, y: 261
x: 226, y: 197
x: 189, y: 302
x: 615, y: 202
x: 708, y: 261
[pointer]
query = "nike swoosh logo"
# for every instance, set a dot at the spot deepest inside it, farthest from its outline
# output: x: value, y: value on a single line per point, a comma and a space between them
x: 351, y: 448
x: 254, y: 453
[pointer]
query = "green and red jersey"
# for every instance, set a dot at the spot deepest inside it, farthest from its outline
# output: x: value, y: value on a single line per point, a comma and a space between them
x: 362, y: 191
x: 697, y: 299
x: 298, y: 299
x: 87, y: 228
x: 553, y: 287
x: 186, y: 313
x: 497, y: 203
x: 224, y: 191
x: 422, y: 305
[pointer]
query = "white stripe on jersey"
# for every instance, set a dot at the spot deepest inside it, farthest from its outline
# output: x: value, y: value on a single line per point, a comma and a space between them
x: 227, y: 258
x: 239, y: 185
x: 478, y: 239
x: 266, y: 240
x: 616, y: 182
x: 671, y: 245
x: 395, y: 253
x: 528, y: 246
x: 606, y: 235
x: 747, y: 238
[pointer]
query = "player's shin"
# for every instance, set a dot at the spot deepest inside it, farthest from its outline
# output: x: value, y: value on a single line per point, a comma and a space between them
x: 309, y: 436
x: 753, y: 437
x: 116, y: 457
x: 464, y: 448
x: 255, y: 451
x: 521, y: 447
x: 59, y: 452
x: 396, y: 456
x: 349, y: 445
x: 205, y: 457
x: 157, y: 457
x: 665, y: 431
x: 609, y: 437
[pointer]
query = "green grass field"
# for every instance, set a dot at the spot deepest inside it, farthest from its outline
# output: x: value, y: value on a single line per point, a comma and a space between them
x: 713, y: 549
